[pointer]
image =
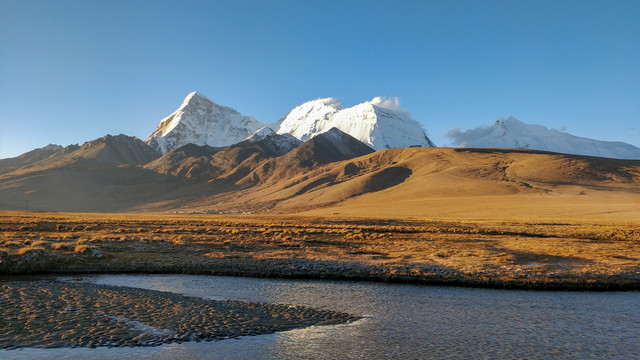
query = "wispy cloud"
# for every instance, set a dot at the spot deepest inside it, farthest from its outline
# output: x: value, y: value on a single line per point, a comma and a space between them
x: 461, y: 137
x: 331, y: 102
x: 391, y: 103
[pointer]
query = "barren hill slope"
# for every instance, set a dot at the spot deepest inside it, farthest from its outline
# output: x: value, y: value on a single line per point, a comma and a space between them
x: 251, y: 165
x: 100, y: 175
x: 106, y: 151
x: 225, y: 164
x: 495, y: 183
x: 330, y: 174
x: 441, y: 182
x: 33, y: 156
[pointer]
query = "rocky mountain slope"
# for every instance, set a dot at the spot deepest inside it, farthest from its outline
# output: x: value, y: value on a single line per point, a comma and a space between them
x: 29, y: 157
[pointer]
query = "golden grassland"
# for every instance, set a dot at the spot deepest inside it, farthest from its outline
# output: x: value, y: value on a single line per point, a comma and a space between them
x: 572, y: 254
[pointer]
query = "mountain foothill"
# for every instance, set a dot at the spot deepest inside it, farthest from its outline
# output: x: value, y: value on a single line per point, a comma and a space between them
x: 323, y: 159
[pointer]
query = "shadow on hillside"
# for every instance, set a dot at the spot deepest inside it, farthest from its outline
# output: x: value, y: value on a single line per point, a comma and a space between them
x: 387, y: 178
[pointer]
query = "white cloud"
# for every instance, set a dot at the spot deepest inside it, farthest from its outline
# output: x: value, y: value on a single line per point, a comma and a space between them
x: 392, y: 103
x: 333, y: 102
x: 462, y: 138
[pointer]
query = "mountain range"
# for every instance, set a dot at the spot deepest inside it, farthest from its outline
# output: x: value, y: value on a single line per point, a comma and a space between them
x: 332, y: 173
x: 200, y: 121
x: 512, y: 133
x: 370, y: 122
x: 186, y: 166
x: 378, y: 123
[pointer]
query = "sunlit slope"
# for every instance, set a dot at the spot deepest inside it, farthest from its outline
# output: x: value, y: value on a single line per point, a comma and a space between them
x: 332, y: 174
x: 489, y: 183
x: 441, y: 182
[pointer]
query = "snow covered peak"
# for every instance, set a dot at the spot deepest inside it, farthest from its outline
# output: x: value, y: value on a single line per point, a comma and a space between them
x: 512, y: 133
x: 200, y: 121
x: 379, y: 123
x: 312, y: 114
x: 190, y: 96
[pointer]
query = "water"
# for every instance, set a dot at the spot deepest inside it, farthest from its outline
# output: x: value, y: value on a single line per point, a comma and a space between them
x: 400, y: 321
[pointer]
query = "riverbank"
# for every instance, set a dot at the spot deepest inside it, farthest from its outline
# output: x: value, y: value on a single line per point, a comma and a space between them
x: 50, y: 314
x: 573, y: 255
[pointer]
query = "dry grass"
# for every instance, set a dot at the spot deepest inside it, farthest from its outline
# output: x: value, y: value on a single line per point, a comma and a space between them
x: 511, y: 253
x: 26, y: 250
x: 63, y: 246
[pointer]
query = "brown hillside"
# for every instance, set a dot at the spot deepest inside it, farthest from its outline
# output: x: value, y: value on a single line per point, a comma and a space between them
x: 441, y: 182
x: 190, y: 161
x: 330, y: 147
x: 332, y: 176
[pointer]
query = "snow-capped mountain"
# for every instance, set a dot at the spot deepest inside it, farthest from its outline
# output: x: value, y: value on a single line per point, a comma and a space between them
x: 200, y: 121
x: 514, y: 134
x: 378, y: 123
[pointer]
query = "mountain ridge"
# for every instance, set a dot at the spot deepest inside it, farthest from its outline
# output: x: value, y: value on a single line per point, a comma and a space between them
x: 512, y: 133
x: 330, y: 171
x: 267, y: 171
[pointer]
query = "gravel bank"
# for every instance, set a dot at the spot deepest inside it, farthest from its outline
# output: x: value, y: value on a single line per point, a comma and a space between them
x: 49, y: 313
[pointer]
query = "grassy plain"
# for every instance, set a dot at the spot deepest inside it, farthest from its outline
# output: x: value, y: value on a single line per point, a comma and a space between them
x: 568, y: 254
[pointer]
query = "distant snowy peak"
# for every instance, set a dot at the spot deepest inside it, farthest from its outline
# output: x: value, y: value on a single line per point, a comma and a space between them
x: 372, y: 122
x: 200, y: 121
x: 512, y: 133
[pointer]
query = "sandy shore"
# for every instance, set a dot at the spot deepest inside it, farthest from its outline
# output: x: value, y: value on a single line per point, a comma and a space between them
x: 573, y: 255
x: 49, y: 313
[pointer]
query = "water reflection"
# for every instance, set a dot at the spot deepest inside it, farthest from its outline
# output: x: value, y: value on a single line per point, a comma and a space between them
x: 401, y: 321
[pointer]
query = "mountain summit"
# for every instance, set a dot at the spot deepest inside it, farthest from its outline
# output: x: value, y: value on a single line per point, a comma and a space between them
x: 200, y: 121
x: 378, y: 123
x: 512, y: 133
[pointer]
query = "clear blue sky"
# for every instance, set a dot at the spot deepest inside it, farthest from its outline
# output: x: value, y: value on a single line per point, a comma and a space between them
x: 73, y: 71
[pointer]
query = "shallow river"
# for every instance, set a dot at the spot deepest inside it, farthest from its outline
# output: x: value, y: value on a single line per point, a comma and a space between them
x: 400, y: 322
